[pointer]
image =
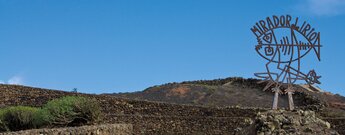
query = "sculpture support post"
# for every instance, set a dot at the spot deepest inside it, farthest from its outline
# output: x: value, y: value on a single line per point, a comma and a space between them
x: 291, y: 105
x: 275, y: 100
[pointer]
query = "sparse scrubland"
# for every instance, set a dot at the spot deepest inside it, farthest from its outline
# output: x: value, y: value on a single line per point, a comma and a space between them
x: 220, y: 106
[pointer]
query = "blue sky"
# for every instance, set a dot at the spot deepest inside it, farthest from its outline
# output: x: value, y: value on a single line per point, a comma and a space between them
x: 103, y: 46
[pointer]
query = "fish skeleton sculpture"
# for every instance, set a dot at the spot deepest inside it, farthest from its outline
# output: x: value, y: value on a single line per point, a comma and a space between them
x: 283, y: 41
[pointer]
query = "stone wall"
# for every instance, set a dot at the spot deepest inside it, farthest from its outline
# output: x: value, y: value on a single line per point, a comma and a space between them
x: 107, y: 129
x: 187, y: 125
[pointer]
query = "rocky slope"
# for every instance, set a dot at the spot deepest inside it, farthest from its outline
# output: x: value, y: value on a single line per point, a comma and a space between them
x: 146, y: 117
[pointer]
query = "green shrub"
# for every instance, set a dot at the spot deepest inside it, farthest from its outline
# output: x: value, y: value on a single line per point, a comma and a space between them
x: 73, y: 111
x: 41, y: 118
x: 3, y: 126
x: 65, y: 111
x: 88, y: 110
x: 21, y: 117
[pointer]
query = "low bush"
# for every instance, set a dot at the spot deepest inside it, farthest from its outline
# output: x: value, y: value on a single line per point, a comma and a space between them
x: 88, y: 111
x: 3, y: 126
x: 65, y: 111
x: 21, y: 117
x: 73, y: 111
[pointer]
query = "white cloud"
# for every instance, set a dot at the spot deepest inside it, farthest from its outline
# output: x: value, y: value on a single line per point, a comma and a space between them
x: 15, y: 80
x: 322, y: 7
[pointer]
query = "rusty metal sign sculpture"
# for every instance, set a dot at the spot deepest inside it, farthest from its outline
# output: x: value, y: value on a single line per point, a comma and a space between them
x: 283, y: 41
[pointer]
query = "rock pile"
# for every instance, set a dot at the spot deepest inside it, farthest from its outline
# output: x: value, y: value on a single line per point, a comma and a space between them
x: 286, y: 122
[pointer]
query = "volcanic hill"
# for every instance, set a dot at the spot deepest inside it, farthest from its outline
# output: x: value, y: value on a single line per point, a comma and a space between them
x: 233, y: 91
